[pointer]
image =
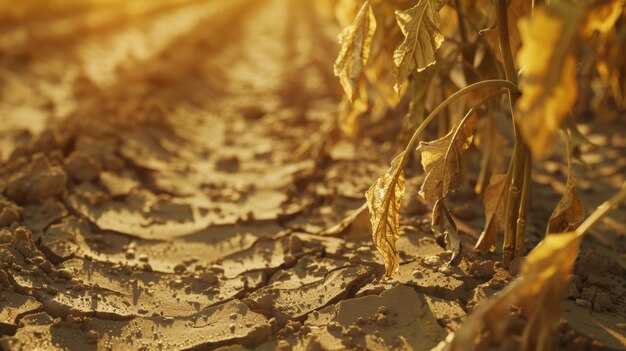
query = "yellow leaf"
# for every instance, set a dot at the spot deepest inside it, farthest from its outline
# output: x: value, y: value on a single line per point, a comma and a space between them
x: 443, y: 223
x: 602, y: 18
x: 492, y: 145
x: 420, y: 26
x: 349, y: 114
x: 346, y: 10
x: 355, y: 40
x: 494, y: 201
x: 538, y: 291
x: 441, y: 160
x: 517, y: 10
x: 548, y: 82
x: 569, y: 212
x: 384, y: 198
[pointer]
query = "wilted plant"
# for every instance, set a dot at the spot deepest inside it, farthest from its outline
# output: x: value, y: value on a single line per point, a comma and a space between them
x: 529, y: 50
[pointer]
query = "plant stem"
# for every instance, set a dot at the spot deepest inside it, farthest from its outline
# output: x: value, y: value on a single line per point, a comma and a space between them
x: 602, y: 210
x: 520, y: 229
x: 466, y: 90
x: 520, y: 166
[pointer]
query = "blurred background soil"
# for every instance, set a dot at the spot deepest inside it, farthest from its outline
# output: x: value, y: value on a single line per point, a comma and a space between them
x: 156, y: 193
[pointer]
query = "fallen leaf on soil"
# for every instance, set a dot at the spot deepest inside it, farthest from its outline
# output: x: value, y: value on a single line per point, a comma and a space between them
x: 420, y: 26
x: 441, y: 160
x: 355, y: 41
x: 384, y: 198
x: 538, y: 291
x: 494, y: 201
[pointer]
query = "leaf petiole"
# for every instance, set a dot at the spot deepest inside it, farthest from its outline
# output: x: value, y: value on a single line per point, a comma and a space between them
x: 466, y: 90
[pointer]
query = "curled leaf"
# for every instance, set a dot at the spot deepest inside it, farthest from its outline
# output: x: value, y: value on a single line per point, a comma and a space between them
x: 356, y: 41
x: 516, y: 10
x: 602, y: 18
x: 443, y: 223
x: 441, y: 160
x: 492, y: 145
x: 569, y: 212
x: 420, y: 26
x: 538, y: 291
x: 384, y: 198
x: 350, y: 114
x: 548, y: 82
x: 494, y: 201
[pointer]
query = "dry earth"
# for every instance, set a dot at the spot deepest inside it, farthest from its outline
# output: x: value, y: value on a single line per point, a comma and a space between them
x: 150, y: 197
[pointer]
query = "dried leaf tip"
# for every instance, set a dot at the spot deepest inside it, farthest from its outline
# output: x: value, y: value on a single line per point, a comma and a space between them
x: 384, y: 198
x: 494, y: 201
x: 441, y: 160
x: 420, y: 26
x: 356, y: 41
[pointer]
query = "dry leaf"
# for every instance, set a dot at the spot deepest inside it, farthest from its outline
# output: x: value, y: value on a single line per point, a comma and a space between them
x: 548, y: 83
x: 517, y: 10
x: 492, y: 145
x: 383, y: 201
x: 441, y: 160
x: 420, y: 26
x: 443, y: 223
x: 420, y: 84
x: 494, y: 201
x: 349, y: 115
x: 538, y: 291
x: 602, y: 18
x: 356, y: 41
x: 569, y: 212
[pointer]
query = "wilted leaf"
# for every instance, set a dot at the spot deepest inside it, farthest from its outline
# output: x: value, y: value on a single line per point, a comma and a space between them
x: 418, y: 91
x: 349, y: 114
x: 420, y: 26
x: 355, y: 41
x: 441, y: 160
x: 548, y: 83
x: 443, y: 223
x: 569, y: 211
x: 602, y: 18
x: 578, y: 139
x: 492, y: 145
x: 538, y: 291
x: 494, y: 201
x: 517, y: 10
x: 383, y: 201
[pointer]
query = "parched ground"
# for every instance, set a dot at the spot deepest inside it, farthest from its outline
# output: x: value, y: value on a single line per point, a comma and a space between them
x: 157, y: 194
